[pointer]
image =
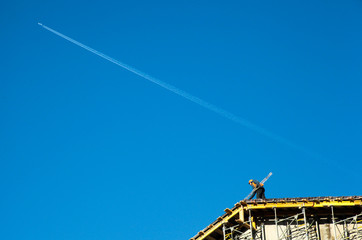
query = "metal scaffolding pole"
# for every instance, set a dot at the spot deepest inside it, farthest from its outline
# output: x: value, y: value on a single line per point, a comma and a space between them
x: 305, y: 223
x: 317, y: 229
x: 334, y: 224
x: 251, y: 225
x: 224, y: 231
x: 262, y: 231
x: 359, y: 232
x: 276, y: 221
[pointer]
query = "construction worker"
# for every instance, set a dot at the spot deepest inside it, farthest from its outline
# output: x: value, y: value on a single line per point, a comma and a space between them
x: 258, y: 189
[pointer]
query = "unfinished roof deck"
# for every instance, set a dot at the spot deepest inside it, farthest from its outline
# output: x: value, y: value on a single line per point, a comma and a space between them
x: 246, y: 218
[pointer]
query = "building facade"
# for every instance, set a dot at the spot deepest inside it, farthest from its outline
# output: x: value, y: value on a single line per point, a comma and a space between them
x: 312, y: 218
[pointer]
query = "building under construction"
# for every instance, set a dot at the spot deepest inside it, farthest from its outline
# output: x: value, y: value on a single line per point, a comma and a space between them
x: 312, y: 218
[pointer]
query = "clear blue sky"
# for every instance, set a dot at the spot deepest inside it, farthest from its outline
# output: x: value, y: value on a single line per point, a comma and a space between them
x: 91, y: 151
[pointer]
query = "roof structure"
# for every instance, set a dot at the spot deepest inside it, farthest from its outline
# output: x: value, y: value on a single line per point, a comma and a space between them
x: 250, y: 215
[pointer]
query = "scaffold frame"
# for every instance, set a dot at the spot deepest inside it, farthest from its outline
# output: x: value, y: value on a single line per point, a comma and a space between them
x: 296, y: 227
x: 351, y: 228
x: 311, y: 218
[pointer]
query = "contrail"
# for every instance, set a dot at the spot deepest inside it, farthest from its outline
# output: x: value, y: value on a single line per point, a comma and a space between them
x: 190, y: 97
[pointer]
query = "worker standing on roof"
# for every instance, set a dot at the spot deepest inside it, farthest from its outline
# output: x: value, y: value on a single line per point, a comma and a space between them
x: 258, y: 189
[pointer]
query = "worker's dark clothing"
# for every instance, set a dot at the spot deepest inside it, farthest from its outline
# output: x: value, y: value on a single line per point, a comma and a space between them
x: 260, y: 193
x: 258, y: 190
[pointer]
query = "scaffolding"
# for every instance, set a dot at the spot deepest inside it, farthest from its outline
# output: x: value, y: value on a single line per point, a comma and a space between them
x: 244, y: 230
x: 316, y: 218
x: 296, y: 227
x: 349, y: 228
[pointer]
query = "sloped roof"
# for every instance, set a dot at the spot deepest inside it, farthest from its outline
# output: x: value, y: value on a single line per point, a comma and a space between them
x: 287, y: 205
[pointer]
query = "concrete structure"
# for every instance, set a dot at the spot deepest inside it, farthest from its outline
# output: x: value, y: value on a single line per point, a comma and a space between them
x: 316, y: 218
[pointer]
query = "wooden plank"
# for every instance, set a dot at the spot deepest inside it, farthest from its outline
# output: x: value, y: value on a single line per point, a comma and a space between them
x: 242, y: 214
x: 228, y: 211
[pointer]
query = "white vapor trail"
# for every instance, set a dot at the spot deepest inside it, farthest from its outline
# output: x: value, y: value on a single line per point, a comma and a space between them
x: 188, y: 96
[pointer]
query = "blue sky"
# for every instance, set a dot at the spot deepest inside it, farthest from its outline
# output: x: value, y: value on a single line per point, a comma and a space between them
x: 91, y: 151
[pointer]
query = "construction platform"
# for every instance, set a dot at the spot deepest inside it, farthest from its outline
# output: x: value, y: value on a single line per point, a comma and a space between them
x: 311, y: 218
